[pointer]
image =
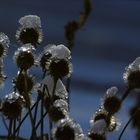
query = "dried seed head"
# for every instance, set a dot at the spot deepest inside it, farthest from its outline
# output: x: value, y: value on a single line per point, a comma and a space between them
x: 59, y: 110
x: 12, y: 105
x: 60, y: 68
x: 30, y: 30
x: 24, y: 57
x: 67, y: 130
x: 132, y: 74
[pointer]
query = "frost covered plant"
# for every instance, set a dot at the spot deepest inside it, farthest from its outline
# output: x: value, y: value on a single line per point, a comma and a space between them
x: 56, y: 60
x: 12, y: 105
x: 4, y: 44
x: 24, y: 57
x: 29, y: 30
x: 111, y: 103
x: 67, y: 130
x: 132, y: 74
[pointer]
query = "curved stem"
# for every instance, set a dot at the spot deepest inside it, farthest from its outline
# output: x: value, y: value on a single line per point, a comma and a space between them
x: 131, y: 118
x: 26, y: 115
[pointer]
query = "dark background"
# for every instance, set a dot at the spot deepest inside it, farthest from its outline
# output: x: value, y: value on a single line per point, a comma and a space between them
x: 108, y: 42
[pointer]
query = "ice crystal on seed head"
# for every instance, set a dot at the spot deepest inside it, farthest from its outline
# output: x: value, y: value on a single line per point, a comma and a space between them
x: 112, y: 91
x: 58, y: 51
x: 30, y: 21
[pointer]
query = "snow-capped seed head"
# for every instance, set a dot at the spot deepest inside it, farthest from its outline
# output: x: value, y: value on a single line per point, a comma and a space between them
x: 30, y: 30
x: 132, y: 74
x: 59, y: 110
x: 111, y: 103
x: 67, y: 130
x: 60, y: 68
x: 58, y: 51
x: 12, y: 105
x: 4, y: 44
x: 24, y: 57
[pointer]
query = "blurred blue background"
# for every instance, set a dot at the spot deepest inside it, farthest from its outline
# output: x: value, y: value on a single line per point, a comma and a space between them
x: 108, y: 42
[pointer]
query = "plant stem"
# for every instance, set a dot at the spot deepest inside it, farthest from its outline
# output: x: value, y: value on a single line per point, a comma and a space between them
x: 129, y: 121
x: 14, y: 128
x: 42, y: 112
x: 125, y: 94
x: 10, y: 129
x: 29, y: 109
x: 38, y: 124
x: 26, y: 115
x: 50, y: 121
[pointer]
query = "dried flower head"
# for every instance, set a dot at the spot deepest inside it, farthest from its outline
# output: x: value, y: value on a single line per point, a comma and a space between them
x: 19, y: 82
x: 60, y: 68
x: 58, y: 110
x: 12, y: 105
x: 30, y: 30
x: 4, y: 44
x: 111, y: 103
x: 67, y: 130
x: 132, y: 74
x: 52, y: 52
x: 24, y: 57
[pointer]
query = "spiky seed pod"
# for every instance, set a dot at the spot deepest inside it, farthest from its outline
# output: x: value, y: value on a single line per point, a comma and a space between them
x: 19, y: 82
x: 24, y: 57
x: 30, y: 30
x: 12, y: 105
x: 59, y: 68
